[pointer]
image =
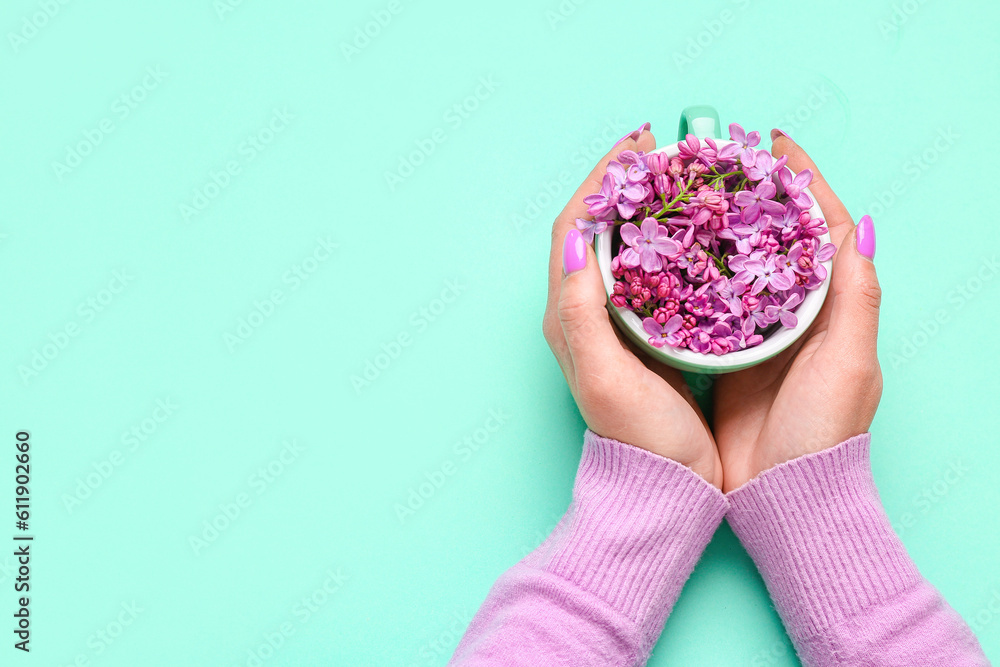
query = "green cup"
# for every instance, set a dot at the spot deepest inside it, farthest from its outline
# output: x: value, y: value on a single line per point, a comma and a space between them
x: 702, y: 121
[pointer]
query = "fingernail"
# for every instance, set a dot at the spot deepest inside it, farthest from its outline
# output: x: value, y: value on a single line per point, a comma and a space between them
x: 634, y: 134
x: 865, y: 237
x: 574, y: 252
x: 775, y: 133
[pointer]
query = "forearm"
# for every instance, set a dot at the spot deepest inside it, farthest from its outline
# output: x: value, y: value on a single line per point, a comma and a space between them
x: 599, y: 589
x: 845, y: 587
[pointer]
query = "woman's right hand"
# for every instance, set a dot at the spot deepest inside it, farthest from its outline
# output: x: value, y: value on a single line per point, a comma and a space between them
x: 622, y: 394
x: 826, y: 387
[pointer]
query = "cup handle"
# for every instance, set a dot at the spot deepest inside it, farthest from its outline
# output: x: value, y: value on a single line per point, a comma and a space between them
x: 702, y: 121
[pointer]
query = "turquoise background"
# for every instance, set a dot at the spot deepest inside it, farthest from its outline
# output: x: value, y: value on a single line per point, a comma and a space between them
x: 893, y: 101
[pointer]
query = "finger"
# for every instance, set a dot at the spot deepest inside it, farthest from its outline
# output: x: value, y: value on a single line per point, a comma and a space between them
x: 837, y: 218
x: 590, y: 337
x: 853, y: 329
x: 566, y: 220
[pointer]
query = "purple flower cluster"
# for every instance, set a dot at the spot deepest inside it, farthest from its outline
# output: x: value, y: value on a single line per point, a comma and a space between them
x: 724, y: 249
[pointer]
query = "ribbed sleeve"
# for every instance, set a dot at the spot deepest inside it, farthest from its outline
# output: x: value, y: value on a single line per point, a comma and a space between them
x: 599, y: 589
x: 841, y: 580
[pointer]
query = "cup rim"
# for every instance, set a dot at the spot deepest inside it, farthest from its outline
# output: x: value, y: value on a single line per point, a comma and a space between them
x: 690, y: 360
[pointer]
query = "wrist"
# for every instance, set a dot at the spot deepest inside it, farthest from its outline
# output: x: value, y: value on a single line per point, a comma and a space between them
x: 696, y: 451
x: 823, y: 509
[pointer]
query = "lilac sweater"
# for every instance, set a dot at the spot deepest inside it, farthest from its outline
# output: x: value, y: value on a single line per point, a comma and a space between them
x: 598, y: 591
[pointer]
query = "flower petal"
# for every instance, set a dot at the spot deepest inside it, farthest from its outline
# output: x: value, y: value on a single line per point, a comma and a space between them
x: 673, y: 324
x: 630, y: 233
x: 626, y: 208
x: 780, y: 281
x: 666, y: 247
x: 650, y: 260
x: 649, y: 228
x: 652, y: 327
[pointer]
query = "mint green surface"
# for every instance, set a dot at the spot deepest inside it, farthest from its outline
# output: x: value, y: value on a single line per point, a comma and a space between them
x: 222, y: 149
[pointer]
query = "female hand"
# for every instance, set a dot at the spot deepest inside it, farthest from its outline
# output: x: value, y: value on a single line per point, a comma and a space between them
x: 825, y: 388
x: 620, y: 395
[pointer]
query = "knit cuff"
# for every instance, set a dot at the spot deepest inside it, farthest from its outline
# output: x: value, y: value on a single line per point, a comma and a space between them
x: 637, y: 526
x: 816, y: 529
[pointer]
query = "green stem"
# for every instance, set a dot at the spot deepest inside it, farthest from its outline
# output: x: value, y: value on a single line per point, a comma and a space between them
x: 667, y: 206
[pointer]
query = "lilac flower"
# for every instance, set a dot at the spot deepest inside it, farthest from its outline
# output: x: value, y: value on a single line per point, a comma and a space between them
x: 798, y: 259
x: 795, y: 187
x: 750, y: 235
x: 700, y: 306
x: 757, y: 201
x: 769, y: 274
x: 713, y: 200
x: 729, y: 291
x: 811, y: 226
x: 663, y: 185
x: 763, y: 165
x: 691, y: 149
x: 637, y: 172
x: 728, y: 260
x: 670, y: 333
x: 737, y: 263
x: 787, y: 225
x: 746, y: 141
x: 604, y: 201
x: 590, y: 228
x: 757, y: 317
x: 740, y: 341
x: 657, y: 163
x: 784, y: 311
x: 700, y: 341
x: 694, y: 259
x: 826, y: 251
x: 629, y: 193
x: 727, y: 154
x: 647, y: 246
x: 805, y: 263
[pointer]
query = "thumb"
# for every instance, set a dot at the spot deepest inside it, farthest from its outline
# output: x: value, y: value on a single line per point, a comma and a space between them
x: 857, y: 295
x: 582, y: 307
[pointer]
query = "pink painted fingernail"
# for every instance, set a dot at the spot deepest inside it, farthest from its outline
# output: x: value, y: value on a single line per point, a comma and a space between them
x: 865, y: 237
x: 574, y: 252
x: 634, y: 134
x: 775, y: 133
